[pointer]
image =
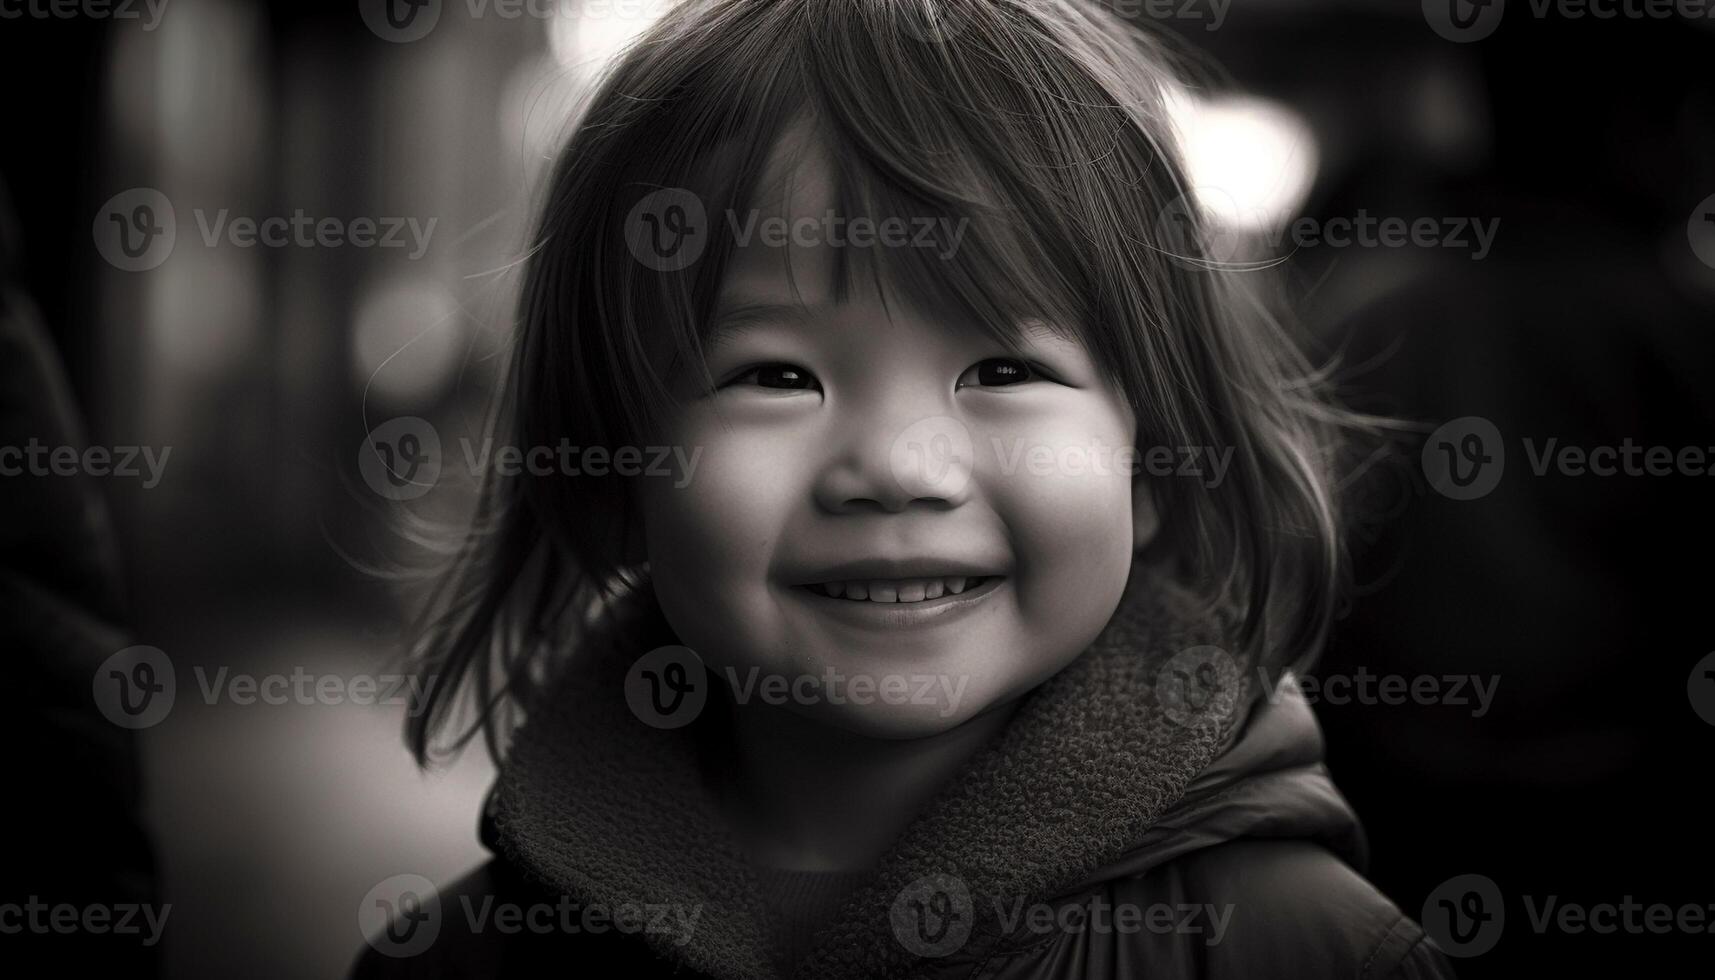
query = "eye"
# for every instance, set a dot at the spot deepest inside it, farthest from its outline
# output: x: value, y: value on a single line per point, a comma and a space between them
x: 997, y: 372
x: 779, y: 377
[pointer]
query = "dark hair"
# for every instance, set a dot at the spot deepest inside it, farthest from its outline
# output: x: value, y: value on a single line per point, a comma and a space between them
x: 1045, y: 123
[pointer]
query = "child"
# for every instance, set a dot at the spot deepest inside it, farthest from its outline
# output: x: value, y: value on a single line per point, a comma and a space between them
x: 938, y: 644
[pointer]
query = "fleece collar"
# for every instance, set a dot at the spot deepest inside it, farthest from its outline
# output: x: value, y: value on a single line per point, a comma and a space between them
x: 1090, y: 778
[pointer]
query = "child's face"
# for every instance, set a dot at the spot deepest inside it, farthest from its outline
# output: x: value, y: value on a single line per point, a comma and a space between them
x: 818, y: 467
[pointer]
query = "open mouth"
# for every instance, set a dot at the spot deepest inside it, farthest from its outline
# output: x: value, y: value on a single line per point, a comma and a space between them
x: 904, y: 591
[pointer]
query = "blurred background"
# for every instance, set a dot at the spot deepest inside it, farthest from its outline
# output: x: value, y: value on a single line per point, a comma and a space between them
x: 1585, y: 312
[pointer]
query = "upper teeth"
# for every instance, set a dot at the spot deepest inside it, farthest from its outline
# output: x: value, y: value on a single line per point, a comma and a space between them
x: 897, y: 590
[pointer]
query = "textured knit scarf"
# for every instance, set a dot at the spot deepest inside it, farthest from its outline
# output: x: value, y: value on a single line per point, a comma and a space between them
x: 602, y: 807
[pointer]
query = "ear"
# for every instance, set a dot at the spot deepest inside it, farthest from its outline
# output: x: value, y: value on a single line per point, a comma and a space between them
x: 1145, y: 516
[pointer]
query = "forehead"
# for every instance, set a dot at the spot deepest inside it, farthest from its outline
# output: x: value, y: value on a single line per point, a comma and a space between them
x: 781, y: 251
x: 822, y: 231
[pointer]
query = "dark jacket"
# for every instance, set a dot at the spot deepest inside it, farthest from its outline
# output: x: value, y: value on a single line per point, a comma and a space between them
x: 1123, y: 826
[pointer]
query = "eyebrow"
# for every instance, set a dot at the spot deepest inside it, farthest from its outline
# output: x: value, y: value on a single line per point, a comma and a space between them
x: 732, y: 319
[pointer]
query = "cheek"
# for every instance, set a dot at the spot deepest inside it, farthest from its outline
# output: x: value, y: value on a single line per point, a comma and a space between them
x: 1062, y: 483
x: 710, y: 542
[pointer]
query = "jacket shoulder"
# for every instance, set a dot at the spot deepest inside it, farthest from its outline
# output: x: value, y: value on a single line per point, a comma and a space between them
x: 1295, y: 909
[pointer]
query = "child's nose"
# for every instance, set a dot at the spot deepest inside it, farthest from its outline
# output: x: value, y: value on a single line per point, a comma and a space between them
x: 891, y: 466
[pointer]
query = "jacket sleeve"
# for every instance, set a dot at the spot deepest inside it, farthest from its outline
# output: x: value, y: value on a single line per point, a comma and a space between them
x: 1407, y: 953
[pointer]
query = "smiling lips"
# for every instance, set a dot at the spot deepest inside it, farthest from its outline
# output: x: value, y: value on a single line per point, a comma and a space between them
x: 903, y: 590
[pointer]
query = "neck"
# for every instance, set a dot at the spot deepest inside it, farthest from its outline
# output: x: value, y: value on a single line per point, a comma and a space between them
x: 812, y: 797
